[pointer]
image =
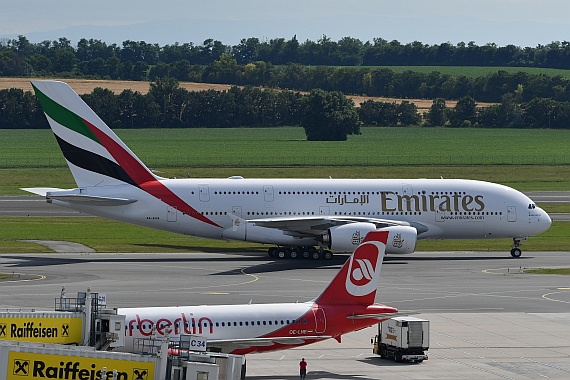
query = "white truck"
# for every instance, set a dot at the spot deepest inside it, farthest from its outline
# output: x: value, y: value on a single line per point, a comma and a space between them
x: 402, y: 339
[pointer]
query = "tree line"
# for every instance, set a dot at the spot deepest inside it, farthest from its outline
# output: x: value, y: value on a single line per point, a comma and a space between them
x: 214, y: 62
x: 90, y: 56
x: 324, y: 115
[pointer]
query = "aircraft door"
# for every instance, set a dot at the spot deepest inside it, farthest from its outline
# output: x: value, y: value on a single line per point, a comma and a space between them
x: 204, y: 193
x: 236, y: 210
x: 171, y: 214
x: 268, y: 193
x: 320, y: 320
x: 441, y: 216
x: 324, y: 210
x: 511, y: 213
x: 407, y: 190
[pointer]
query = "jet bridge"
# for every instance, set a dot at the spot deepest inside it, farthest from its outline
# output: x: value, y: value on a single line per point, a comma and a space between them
x: 76, y: 340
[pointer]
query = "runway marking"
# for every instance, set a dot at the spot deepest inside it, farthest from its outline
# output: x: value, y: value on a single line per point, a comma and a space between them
x: 39, y: 278
x: 501, y: 294
x: 23, y: 200
x: 255, y: 278
x: 519, y: 270
x: 545, y: 296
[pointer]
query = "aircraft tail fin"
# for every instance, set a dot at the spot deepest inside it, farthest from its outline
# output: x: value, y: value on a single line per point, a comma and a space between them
x: 357, y: 281
x: 94, y: 153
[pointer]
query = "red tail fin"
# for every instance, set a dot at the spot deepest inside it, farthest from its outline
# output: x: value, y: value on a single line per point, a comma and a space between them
x: 357, y: 281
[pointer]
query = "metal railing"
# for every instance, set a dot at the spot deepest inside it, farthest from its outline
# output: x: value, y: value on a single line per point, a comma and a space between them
x: 283, y: 160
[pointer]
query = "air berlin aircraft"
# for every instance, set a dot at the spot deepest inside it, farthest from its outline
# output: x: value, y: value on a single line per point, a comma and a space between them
x: 298, y: 217
x: 346, y: 305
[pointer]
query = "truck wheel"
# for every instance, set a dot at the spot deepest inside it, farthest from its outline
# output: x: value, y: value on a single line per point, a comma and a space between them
x: 397, y: 357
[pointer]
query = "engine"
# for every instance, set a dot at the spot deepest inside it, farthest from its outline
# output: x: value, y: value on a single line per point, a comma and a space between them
x: 345, y: 238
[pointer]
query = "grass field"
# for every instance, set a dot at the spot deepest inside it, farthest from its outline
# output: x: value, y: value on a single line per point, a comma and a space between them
x: 287, y: 146
x: 524, y: 159
x: 31, y: 158
x: 109, y: 236
x: 563, y: 271
x: 475, y: 71
x: 523, y: 178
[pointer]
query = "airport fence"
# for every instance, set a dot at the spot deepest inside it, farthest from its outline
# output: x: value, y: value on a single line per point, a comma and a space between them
x: 283, y: 160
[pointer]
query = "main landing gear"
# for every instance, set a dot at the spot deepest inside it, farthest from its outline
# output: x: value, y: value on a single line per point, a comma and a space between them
x: 306, y: 252
x: 516, y: 251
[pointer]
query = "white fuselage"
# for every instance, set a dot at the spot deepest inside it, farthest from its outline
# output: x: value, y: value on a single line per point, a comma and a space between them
x: 219, y: 322
x: 437, y: 208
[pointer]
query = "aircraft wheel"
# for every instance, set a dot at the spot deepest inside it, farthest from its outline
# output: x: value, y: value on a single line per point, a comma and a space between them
x: 327, y: 255
x: 306, y: 252
x: 516, y: 252
x: 315, y: 255
x: 293, y: 253
x: 271, y: 251
x: 281, y: 253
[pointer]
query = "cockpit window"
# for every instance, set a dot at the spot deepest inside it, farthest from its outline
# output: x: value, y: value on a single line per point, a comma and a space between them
x: 531, y: 206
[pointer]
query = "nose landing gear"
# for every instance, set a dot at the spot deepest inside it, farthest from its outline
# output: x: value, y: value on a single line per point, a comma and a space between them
x: 516, y: 251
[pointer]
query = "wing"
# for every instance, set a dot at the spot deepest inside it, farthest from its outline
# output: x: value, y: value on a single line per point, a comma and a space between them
x: 304, y: 227
x: 230, y: 345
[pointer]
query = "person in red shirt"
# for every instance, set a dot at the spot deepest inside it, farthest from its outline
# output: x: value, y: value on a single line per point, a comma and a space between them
x: 302, y: 368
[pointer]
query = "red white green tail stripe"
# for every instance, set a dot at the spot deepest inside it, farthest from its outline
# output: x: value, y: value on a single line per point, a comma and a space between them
x: 95, y: 154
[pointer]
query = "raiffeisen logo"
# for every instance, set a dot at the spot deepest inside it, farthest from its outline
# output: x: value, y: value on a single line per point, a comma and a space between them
x: 41, y: 329
x: 28, y: 365
x: 391, y: 201
x: 28, y: 330
x: 70, y: 370
x: 362, y: 275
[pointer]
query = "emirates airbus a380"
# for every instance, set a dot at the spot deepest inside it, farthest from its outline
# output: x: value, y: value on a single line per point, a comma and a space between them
x: 346, y: 305
x: 300, y: 217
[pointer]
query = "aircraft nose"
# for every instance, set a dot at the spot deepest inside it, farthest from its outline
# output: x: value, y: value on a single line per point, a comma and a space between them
x: 544, y: 221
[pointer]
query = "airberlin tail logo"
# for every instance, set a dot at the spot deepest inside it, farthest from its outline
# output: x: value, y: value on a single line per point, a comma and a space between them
x: 363, y: 270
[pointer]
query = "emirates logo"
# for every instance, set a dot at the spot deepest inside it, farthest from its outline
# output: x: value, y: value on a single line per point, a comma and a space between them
x: 356, y: 238
x: 397, y: 241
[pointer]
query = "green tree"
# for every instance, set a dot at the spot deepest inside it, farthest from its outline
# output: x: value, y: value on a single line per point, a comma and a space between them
x: 437, y: 114
x: 464, y: 113
x: 171, y: 100
x: 329, y: 116
x: 223, y: 70
x: 408, y: 113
